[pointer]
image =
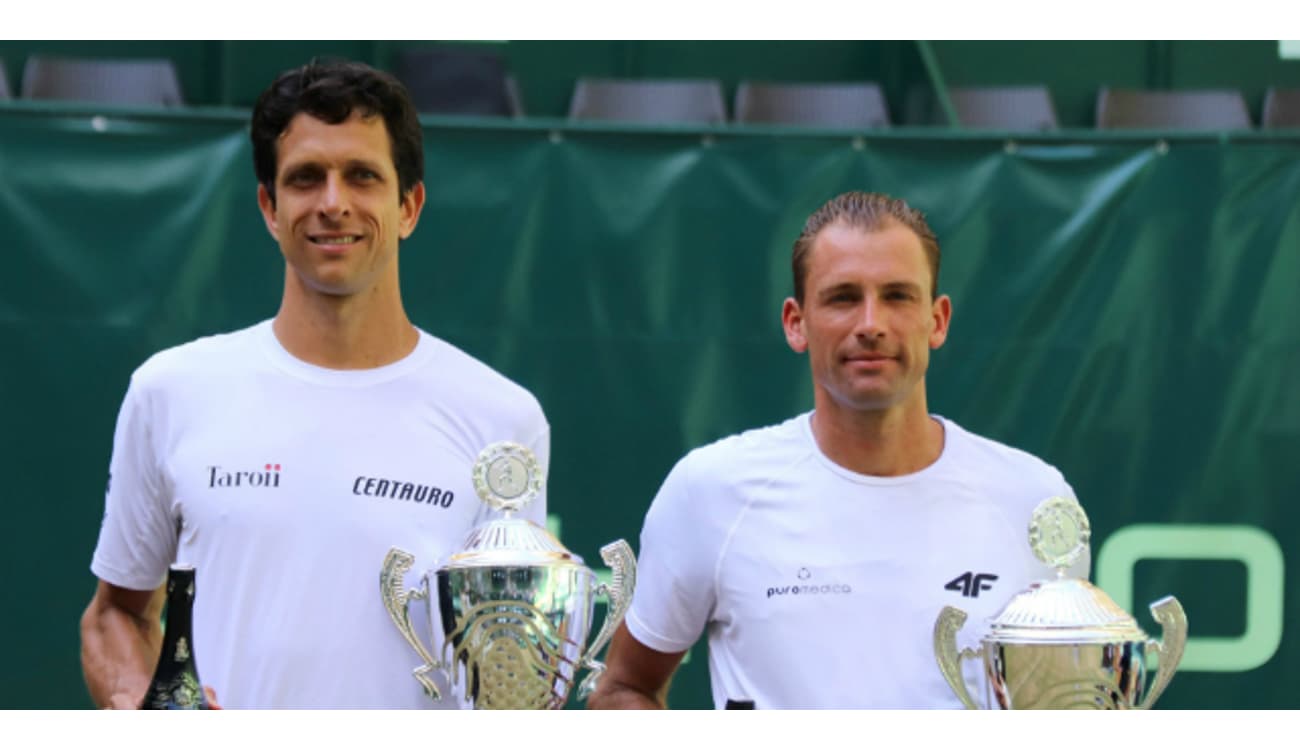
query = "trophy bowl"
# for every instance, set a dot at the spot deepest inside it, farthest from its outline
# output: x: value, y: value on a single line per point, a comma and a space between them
x: 516, y: 607
x: 1063, y: 643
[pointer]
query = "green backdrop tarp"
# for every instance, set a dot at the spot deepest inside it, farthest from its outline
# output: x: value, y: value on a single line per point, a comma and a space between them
x: 1124, y: 308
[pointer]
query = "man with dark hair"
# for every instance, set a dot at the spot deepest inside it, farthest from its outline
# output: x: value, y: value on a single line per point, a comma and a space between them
x: 818, y: 553
x: 284, y: 460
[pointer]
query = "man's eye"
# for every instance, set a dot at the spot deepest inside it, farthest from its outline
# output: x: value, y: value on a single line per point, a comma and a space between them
x: 301, y: 178
x: 361, y: 173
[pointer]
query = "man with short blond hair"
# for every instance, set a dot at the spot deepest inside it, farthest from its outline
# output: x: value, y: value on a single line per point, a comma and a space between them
x: 818, y: 553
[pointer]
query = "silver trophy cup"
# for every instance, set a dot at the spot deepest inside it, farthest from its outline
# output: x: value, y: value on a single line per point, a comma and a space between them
x: 1063, y: 643
x: 516, y: 607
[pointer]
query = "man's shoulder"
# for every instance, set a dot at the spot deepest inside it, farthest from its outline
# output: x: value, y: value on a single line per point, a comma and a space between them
x: 999, y: 461
x: 204, y: 355
x: 713, y: 483
x: 476, y: 380
x: 758, y: 449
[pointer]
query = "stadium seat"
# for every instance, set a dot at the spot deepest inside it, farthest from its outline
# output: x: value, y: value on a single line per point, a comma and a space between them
x: 1004, y: 107
x: 139, y: 81
x: 1281, y: 108
x: 4, y: 82
x: 649, y: 101
x: 1207, y: 109
x: 832, y: 105
x: 459, y: 81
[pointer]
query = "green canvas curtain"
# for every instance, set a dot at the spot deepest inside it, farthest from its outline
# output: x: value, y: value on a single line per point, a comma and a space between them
x: 1124, y: 308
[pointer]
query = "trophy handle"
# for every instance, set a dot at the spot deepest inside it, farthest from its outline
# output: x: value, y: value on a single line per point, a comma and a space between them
x: 397, y: 601
x: 618, y: 556
x: 945, y: 651
x: 1173, y: 622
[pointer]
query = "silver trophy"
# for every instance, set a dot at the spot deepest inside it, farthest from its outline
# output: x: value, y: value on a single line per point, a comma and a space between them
x: 515, y: 605
x: 1064, y: 643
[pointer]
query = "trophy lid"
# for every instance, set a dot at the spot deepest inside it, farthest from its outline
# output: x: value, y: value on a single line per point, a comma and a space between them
x: 507, y: 476
x: 508, y: 542
x: 1065, y: 609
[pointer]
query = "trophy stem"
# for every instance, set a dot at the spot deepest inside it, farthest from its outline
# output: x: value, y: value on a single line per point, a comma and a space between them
x: 945, y: 651
x: 1173, y: 622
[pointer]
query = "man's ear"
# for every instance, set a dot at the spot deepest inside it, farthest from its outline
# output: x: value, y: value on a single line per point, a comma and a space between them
x: 942, y: 314
x: 267, y: 204
x: 412, y: 205
x: 792, y: 322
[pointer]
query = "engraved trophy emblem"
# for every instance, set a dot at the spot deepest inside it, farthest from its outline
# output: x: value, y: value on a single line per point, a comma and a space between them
x: 1063, y: 643
x: 516, y: 607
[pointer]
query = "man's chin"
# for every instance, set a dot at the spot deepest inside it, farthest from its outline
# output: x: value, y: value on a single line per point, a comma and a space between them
x: 332, y: 287
x: 873, y: 395
x: 868, y: 401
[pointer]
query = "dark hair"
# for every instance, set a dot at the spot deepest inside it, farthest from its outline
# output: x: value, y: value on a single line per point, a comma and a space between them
x: 869, y: 212
x: 330, y: 91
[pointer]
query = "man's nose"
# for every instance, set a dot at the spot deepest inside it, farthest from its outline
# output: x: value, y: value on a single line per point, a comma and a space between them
x: 870, y: 322
x: 334, y: 197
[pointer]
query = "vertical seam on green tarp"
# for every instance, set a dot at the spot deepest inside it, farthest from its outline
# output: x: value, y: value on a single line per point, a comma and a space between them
x: 936, y: 80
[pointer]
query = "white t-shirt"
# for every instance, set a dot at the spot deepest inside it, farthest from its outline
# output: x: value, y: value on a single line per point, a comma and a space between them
x: 819, y: 587
x: 285, y: 485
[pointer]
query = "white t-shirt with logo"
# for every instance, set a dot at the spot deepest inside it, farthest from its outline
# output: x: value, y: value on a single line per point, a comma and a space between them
x: 819, y: 587
x: 285, y: 485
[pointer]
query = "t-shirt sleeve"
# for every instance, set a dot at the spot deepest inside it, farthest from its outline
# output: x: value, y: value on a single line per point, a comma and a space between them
x: 675, y: 590
x: 138, y: 536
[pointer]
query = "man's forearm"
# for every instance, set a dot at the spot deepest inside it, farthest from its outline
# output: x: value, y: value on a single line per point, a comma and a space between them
x: 118, y: 654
